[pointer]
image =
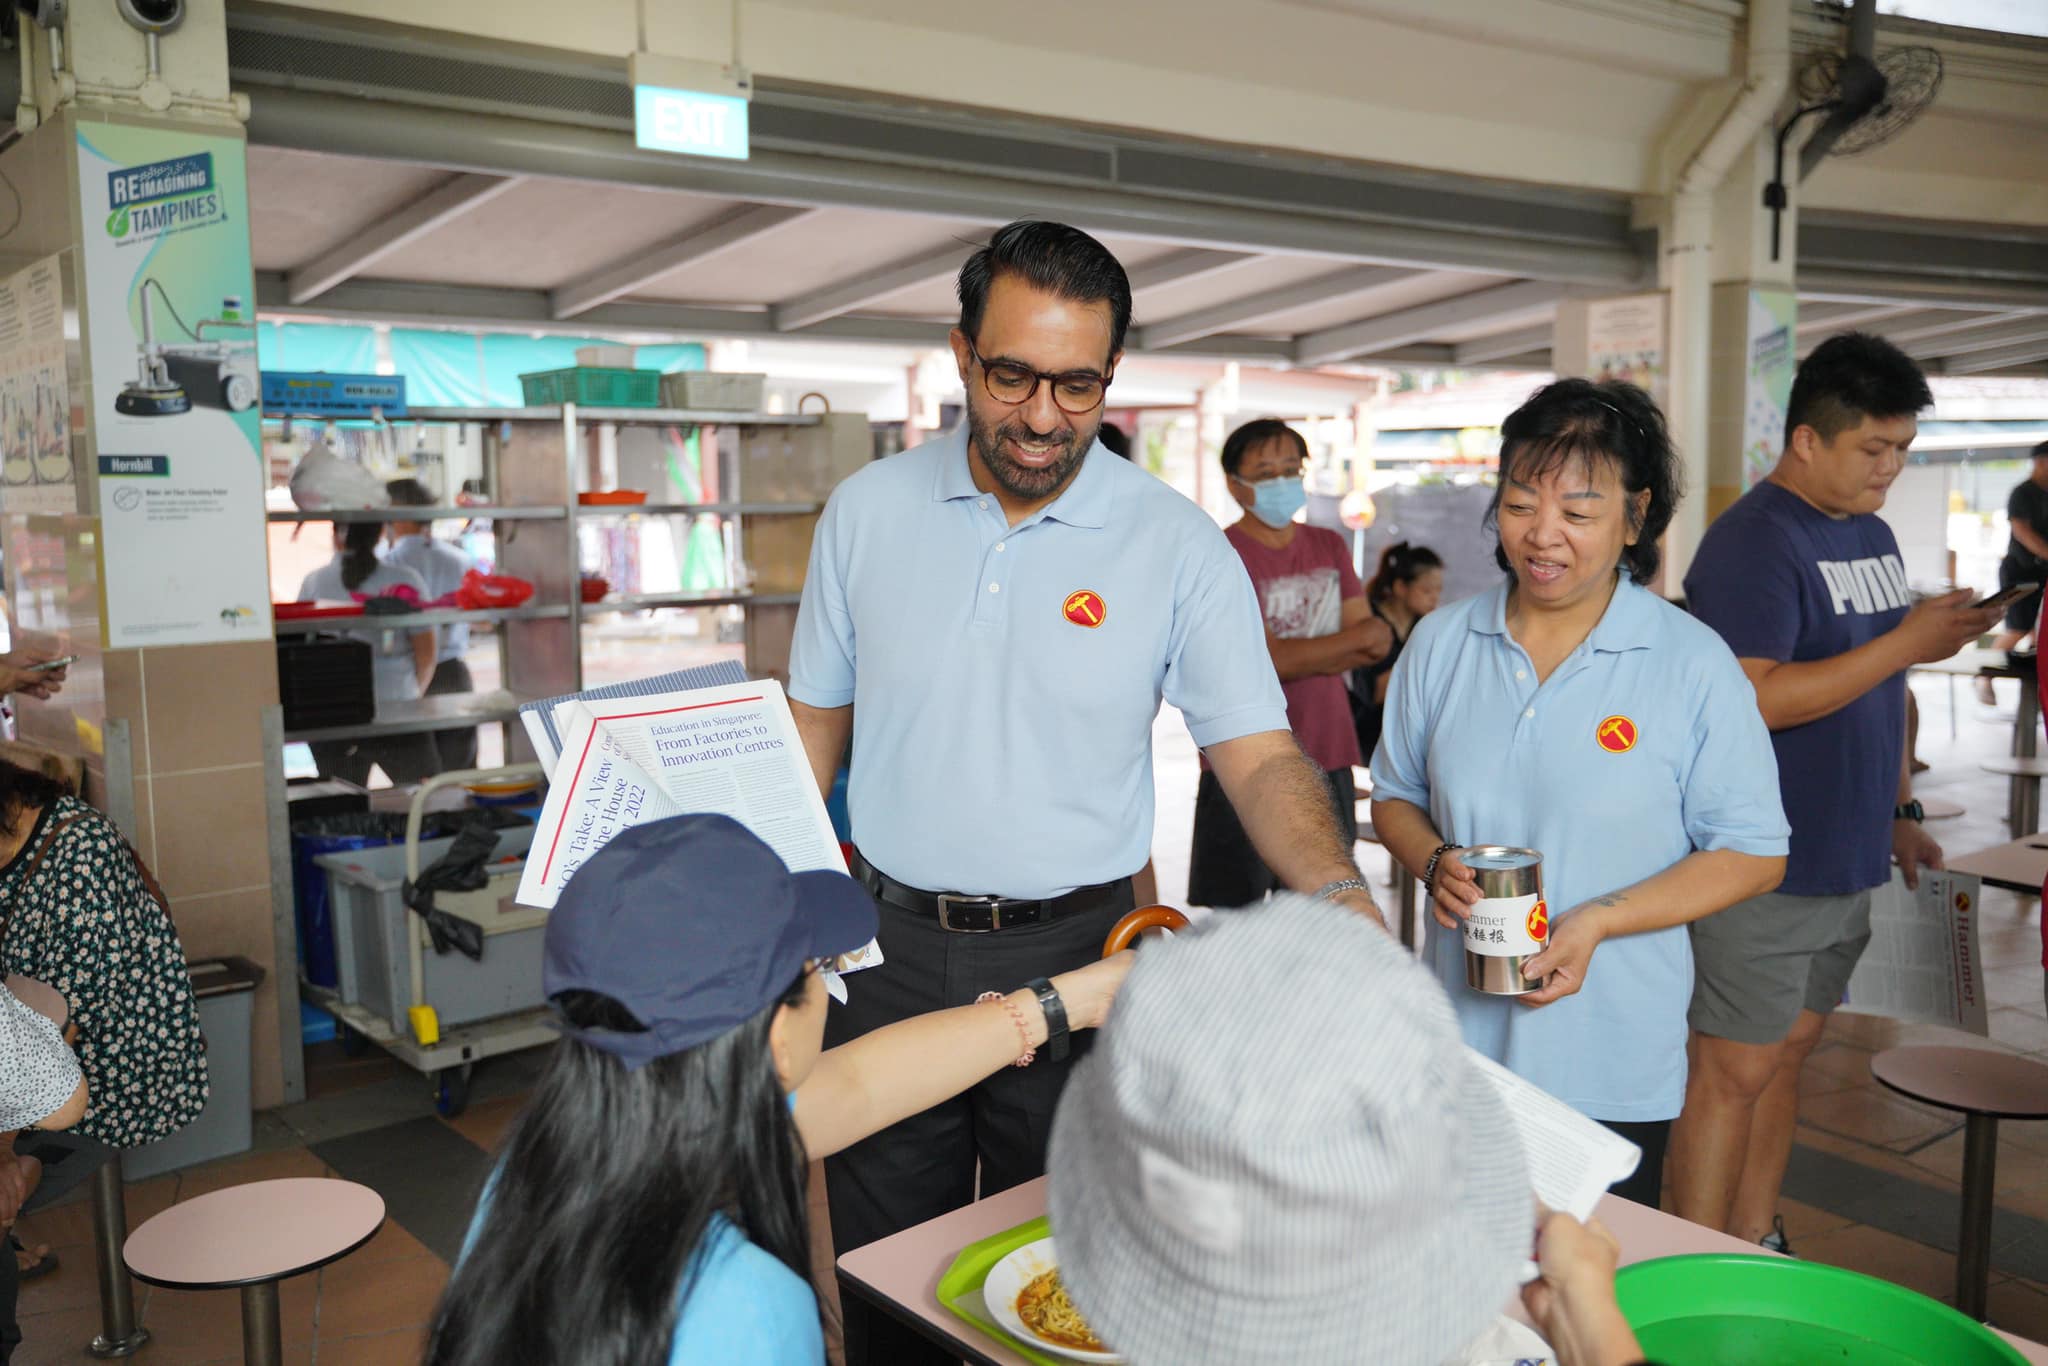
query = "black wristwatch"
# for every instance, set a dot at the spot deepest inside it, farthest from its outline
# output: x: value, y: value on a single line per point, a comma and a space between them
x: 1056, y: 1032
x: 1909, y: 811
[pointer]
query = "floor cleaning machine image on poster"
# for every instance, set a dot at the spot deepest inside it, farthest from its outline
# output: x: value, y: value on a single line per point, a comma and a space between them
x: 172, y: 336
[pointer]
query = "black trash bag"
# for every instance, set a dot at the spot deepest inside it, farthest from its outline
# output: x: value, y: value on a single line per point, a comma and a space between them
x: 462, y: 869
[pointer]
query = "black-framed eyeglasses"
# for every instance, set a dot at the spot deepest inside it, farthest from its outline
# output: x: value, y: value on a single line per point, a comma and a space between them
x: 1008, y: 383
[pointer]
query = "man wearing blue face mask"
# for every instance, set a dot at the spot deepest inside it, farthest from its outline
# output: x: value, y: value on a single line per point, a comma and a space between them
x: 1319, y: 626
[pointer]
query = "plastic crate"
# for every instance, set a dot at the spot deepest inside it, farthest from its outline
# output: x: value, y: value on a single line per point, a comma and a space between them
x: 593, y: 385
x: 713, y: 391
x: 372, y: 928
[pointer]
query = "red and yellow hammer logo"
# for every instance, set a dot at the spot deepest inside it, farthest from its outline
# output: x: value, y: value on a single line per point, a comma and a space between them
x: 1085, y: 608
x: 1616, y: 735
x: 1539, y: 921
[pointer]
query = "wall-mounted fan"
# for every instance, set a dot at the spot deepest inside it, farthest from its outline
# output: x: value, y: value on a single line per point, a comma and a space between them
x: 1868, y: 99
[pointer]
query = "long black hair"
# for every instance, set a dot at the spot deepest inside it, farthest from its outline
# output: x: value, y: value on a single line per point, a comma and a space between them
x: 1400, y: 563
x: 608, y: 1182
x: 1612, y: 421
x: 359, y: 553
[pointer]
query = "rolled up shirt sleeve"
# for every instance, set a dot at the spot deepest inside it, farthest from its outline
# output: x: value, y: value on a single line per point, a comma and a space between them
x: 1732, y: 799
x: 1219, y: 672
x: 821, y: 658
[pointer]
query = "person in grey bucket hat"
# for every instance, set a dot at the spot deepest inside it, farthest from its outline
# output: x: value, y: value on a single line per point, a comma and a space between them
x: 1278, y: 1153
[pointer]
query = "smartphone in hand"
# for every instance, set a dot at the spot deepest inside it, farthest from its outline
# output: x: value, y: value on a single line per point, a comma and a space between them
x: 2005, y: 597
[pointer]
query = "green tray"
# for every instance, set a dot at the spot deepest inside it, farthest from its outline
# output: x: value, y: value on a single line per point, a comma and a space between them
x: 960, y: 1287
x: 594, y: 385
x: 1713, y: 1308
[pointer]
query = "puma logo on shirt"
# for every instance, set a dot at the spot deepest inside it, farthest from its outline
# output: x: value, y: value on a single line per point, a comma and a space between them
x: 1877, y: 584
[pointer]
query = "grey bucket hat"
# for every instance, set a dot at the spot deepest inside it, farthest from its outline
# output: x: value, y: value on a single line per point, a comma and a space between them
x: 1277, y: 1152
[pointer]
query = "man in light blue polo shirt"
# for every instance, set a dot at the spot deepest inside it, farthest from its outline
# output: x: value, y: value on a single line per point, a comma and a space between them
x: 993, y: 619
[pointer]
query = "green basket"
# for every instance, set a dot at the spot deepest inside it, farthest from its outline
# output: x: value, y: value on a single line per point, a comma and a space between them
x: 1714, y: 1308
x: 591, y: 385
x: 960, y: 1288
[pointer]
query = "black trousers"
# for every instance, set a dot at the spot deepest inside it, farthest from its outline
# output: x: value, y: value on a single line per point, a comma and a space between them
x: 457, y: 748
x: 1646, y: 1185
x: 927, y: 1165
x: 1223, y: 868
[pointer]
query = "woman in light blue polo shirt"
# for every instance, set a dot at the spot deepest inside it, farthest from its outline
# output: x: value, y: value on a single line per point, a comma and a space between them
x: 1573, y: 711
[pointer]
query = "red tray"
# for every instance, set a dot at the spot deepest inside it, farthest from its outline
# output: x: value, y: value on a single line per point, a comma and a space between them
x: 313, y: 611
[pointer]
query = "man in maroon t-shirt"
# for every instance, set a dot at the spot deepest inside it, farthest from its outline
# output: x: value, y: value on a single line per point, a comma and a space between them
x: 1319, y: 627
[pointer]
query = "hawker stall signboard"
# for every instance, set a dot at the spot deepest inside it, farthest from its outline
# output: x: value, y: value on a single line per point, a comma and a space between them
x: 172, y: 345
x: 1767, y: 380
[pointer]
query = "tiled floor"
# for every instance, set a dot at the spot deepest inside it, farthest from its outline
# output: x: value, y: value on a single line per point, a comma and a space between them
x: 1873, y: 1185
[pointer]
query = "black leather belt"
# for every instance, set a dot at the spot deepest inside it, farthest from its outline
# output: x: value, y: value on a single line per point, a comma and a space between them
x: 984, y: 914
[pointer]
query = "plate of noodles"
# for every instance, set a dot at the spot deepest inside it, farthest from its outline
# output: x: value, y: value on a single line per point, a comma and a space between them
x: 1023, y: 1294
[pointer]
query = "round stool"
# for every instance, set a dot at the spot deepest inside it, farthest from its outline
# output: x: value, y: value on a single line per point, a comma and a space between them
x: 1985, y: 1087
x: 251, y: 1237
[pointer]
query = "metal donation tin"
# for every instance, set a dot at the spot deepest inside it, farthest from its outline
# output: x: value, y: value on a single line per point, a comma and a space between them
x: 1510, y: 923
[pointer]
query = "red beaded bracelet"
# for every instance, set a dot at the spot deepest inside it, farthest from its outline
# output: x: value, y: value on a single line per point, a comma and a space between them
x: 1023, y: 1030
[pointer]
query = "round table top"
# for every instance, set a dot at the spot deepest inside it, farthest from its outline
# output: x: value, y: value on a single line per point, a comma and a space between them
x: 1974, y: 1080
x: 262, y: 1231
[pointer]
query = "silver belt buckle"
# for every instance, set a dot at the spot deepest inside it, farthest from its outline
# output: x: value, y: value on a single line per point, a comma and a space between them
x: 948, y: 900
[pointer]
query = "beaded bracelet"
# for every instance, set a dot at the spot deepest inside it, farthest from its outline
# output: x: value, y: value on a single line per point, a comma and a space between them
x: 1023, y: 1030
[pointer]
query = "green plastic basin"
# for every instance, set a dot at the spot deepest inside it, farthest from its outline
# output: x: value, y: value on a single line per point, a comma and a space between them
x: 1718, y: 1308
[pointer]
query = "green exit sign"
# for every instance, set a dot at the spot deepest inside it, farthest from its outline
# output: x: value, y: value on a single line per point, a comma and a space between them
x: 696, y: 108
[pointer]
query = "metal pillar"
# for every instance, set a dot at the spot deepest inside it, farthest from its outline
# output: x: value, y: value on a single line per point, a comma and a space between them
x: 120, y: 1334
x: 1973, y: 1239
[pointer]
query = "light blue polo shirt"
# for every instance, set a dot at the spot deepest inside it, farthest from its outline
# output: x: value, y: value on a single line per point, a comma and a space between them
x: 1002, y: 737
x: 1495, y: 759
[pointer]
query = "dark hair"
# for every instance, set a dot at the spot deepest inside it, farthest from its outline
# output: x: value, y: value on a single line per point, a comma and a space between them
x: 359, y: 553
x: 608, y: 1183
x: 2041, y: 451
x: 1852, y: 377
x: 1254, y: 434
x: 1050, y: 256
x: 1115, y: 438
x: 1400, y: 563
x: 1576, y: 419
x: 409, y: 493
x: 23, y: 790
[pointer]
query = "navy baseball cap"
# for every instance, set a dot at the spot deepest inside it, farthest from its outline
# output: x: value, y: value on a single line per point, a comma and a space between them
x: 694, y: 926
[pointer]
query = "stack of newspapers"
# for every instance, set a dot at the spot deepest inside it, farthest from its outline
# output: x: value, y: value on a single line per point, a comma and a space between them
x: 700, y: 740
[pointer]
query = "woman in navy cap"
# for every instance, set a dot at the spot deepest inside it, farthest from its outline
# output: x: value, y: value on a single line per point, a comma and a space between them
x: 649, y: 1203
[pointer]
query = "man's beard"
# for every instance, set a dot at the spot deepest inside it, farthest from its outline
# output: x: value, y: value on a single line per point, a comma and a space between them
x: 1022, y: 481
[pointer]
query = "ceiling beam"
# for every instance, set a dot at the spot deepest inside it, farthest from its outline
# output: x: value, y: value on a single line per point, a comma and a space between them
x: 848, y: 295
x: 440, y: 206
x: 1256, y: 308
x: 2004, y: 358
x: 528, y: 310
x: 1833, y: 284
x: 1993, y: 336
x: 1419, y: 324
x: 464, y: 139
x: 701, y: 243
x: 1504, y: 345
x: 1189, y: 263
x: 1822, y: 317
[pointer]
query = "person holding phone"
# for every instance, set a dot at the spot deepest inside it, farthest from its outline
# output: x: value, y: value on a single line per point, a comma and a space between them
x: 1803, y: 579
x: 2026, y: 560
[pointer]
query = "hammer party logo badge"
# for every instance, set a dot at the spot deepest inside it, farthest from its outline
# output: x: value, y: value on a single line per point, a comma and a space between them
x: 1084, y: 608
x: 1539, y: 922
x: 1616, y: 735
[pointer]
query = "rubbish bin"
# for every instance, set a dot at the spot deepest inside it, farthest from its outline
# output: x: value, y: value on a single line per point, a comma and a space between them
x: 226, y: 991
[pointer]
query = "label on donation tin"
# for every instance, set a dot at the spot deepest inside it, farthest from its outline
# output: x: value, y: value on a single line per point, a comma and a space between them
x: 1508, y: 926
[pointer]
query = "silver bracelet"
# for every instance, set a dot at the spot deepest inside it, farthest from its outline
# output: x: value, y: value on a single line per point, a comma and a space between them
x: 1328, y: 891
